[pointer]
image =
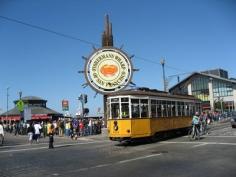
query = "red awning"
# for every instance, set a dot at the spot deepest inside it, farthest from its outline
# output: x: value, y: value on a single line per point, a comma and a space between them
x: 13, y: 118
x: 39, y: 116
x: 33, y: 117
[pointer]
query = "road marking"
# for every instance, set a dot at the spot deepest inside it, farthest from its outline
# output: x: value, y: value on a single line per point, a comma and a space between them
x: 138, y: 158
x: 115, y: 163
x: 214, y: 136
x: 30, y: 145
x: 19, y: 145
x: 202, y: 144
x: 46, y: 147
x: 102, y: 165
x: 206, y: 143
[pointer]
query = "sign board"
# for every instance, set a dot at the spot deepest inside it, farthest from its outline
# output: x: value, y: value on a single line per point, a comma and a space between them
x: 20, y: 105
x: 27, y: 113
x: 108, y: 70
x: 65, y: 105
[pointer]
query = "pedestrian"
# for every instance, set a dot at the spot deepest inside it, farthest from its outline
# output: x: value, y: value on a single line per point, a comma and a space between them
x: 30, y: 131
x: 81, y: 128
x: 50, y: 130
x: 90, y: 127
x: 1, y: 133
x: 37, y: 128
x: 61, y: 127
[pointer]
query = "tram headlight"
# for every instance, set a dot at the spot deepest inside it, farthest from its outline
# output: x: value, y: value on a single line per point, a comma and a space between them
x: 128, y: 131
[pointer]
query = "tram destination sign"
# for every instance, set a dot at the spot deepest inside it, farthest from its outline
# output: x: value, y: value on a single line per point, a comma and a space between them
x: 108, y: 70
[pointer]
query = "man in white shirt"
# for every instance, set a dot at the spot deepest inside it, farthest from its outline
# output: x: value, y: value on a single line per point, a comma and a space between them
x: 37, y: 128
x: 1, y: 133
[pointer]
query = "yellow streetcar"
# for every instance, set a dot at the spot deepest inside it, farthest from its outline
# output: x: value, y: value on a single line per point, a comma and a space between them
x: 142, y: 113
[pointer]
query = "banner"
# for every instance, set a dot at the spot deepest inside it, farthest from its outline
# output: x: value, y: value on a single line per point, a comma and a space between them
x: 65, y: 105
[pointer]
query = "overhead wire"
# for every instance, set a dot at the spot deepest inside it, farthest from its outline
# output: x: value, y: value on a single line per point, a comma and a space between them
x: 48, y: 30
x: 75, y: 38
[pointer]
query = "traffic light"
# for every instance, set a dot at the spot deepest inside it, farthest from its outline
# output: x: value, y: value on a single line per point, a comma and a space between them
x: 86, y: 110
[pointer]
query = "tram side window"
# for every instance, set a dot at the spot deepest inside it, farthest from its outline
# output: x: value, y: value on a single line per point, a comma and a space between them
x: 153, y: 108
x: 144, y: 108
x: 182, y: 109
x: 194, y: 109
x: 191, y: 111
x: 164, y: 108
x: 198, y: 107
x: 135, y: 108
x: 179, y: 108
x: 169, y: 110
x: 173, y: 108
x: 159, y: 109
x: 187, y: 109
x: 115, y: 109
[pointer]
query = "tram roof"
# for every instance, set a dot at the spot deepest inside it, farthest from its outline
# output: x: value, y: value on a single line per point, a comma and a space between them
x: 150, y: 92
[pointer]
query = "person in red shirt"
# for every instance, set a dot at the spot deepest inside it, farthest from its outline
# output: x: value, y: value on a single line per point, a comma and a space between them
x: 81, y: 128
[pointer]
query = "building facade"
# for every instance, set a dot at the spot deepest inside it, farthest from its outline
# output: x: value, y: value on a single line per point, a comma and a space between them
x: 35, y: 108
x: 213, y: 87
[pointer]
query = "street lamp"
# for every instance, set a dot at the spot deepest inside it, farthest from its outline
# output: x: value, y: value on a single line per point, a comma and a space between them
x: 7, y: 102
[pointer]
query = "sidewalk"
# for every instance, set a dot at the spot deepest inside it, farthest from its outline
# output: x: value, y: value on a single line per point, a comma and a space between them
x: 11, y: 139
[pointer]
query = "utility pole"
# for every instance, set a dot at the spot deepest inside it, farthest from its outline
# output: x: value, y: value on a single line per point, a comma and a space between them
x: 83, y: 99
x: 21, y: 111
x: 7, y: 101
x: 164, y: 76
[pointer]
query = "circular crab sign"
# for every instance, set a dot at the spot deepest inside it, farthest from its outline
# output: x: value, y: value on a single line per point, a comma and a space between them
x: 108, y: 70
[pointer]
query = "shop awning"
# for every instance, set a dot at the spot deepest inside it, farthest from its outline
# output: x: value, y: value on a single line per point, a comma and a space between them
x: 40, y: 117
x: 12, y: 118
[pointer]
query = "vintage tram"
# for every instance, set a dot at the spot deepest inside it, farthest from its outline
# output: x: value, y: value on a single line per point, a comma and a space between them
x: 146, y: 113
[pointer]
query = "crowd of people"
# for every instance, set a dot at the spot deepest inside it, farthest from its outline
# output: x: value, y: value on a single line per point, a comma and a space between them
x: 72, y: 128
x: 201, y: 120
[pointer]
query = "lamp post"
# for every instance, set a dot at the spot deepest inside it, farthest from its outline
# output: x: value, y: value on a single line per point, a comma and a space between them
x: 7, y: 102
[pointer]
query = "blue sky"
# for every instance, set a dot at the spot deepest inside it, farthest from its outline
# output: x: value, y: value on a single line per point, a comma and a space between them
x: 191, y: 35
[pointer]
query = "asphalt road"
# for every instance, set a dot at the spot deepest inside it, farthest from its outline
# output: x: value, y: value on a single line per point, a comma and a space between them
x: 214, y: 155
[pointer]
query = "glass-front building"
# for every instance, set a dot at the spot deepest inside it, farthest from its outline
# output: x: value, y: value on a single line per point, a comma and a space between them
x: 217, y: 93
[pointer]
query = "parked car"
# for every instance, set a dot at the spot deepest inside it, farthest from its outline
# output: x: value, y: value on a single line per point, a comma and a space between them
x: 233, y: 120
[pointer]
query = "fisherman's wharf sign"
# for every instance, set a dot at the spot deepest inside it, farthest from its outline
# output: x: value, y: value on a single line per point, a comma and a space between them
x: 108, y: 70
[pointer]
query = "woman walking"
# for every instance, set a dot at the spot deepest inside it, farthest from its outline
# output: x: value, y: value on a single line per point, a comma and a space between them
x: 30, y: 132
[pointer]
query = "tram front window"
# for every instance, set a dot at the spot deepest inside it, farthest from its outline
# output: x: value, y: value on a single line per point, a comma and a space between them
x: 115, y: 109
x: 125, y: 110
